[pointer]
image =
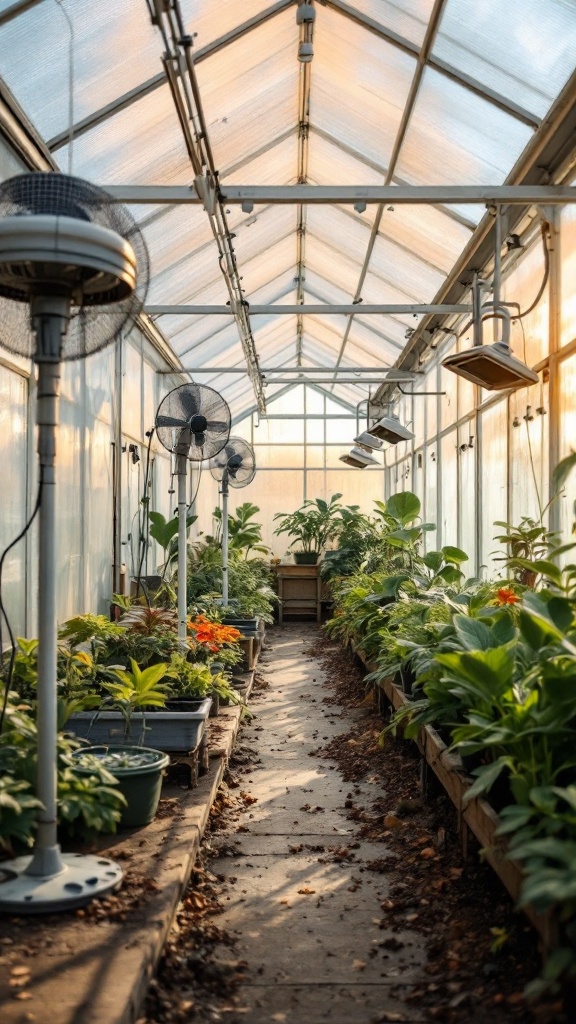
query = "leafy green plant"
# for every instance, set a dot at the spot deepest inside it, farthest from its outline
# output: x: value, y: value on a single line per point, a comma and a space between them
x: 138, y: 689
x: 244, y: 535
x: 312, y: 524
x: 165, y: 533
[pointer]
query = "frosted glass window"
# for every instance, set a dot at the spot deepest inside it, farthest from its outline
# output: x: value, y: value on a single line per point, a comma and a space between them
x: 494, y: 479
x: 568, y: 274
x: 131, y: 390
x: 449, y: 401
x: 449, y: 489
x: 13, y: 434
x: 529, y: 453
x: 567, y: 438
x: 529, y: 336
x: 468, y: 497
x: 315, y: 456
x: 281, y: 432
x: 432, y: 540
x: 340, y: 431
x: 280, y: 456
x: 315, y: 431
x: 98, y: 542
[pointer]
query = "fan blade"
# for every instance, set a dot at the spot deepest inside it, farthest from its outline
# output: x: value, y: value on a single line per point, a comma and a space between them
x: 217, y: 426
x: 170, y: 421
x: 190, y: 400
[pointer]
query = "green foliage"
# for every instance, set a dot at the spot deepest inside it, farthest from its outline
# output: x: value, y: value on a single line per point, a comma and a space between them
x: 312, y: 524
x: 244, y: 536
x: 84, y: 805
x: 495, y: 670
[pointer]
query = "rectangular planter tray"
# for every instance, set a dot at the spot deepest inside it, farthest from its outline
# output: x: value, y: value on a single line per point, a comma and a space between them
x: 169, y: 731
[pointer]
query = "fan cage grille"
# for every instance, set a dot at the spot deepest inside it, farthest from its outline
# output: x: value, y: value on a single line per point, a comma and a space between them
x: 90, y: 328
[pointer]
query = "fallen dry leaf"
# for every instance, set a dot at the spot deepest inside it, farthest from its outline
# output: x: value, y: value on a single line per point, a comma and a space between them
x: 306, y: 892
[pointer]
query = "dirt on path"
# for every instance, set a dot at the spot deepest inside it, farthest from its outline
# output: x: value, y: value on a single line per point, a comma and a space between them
x: 329, y: 891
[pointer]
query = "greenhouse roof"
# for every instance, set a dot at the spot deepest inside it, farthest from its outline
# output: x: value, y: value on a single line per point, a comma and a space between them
x: 397, y: 92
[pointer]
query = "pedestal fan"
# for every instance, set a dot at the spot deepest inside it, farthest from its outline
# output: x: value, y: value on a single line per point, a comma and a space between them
x: 234, y: 466
x: 193, y: 423
x: 73, y: 272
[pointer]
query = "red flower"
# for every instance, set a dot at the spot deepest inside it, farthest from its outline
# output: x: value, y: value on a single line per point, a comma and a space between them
x: 506, y: 596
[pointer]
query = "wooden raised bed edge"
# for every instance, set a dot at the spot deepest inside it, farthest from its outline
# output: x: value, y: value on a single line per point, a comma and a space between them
x: 476, y: 814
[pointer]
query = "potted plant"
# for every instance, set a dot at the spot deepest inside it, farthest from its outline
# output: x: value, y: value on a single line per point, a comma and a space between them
x: 134, y: 708
x: 310, y: 526
x: 138, y: 772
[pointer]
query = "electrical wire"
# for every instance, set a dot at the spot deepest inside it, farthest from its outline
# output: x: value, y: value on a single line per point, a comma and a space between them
x: 530, y: 452
x: 544, y: 228
x: 3, y: 613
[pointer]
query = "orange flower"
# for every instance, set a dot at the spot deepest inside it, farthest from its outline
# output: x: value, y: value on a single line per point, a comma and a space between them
x: 506, y: 596
x: 212, y: 634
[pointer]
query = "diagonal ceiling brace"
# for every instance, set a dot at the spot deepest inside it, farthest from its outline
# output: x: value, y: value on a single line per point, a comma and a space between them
x: 179, y: 66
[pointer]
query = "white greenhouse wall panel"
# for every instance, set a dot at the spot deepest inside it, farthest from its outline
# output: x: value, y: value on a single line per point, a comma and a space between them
x: 13, y: 498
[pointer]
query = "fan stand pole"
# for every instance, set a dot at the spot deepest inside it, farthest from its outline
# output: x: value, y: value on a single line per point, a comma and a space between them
x: 49, y: 881
x: 181, y: 468
x: 224, y: 493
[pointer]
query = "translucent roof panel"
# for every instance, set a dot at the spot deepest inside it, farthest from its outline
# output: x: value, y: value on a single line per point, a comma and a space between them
x: 271, y: 225
x: 524, y: 49
x: 269, y: 164
x: 262, y: 269
x: 428, y: 232
x: 140, y: 145
x: 370, y: 79
x: 457, y: 137
x: 331, y: 164
x: 240, y: 113
x: 99, y: 44
x: 201, y: 20
x: 407, y: 18
x: 180, y: 233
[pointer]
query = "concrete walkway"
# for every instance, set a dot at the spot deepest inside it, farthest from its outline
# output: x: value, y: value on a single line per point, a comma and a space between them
x: 308, y: 917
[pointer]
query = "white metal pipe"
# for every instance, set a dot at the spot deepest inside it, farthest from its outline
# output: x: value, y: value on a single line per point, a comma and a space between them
x: 181, y: 467
x: 524, y: 195
x: 312, y: 309
x: 46, y: 860
x: 225, y: 538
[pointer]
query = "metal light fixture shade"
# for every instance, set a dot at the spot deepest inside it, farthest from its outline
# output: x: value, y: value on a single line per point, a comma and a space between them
x: 391, y: 430
x: 305, y: 53
x: 492, y: 367
x: 359, y: 459
x: 368, y: 442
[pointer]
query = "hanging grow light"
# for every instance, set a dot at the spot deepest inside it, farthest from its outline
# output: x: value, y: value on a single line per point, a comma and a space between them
x: 492, y: 367
x: 368, y: 442
x: 359, y: 459
x: 390, y: 429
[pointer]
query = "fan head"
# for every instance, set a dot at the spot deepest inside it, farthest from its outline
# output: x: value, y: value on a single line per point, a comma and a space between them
x: 238, y: 460
x: 193, y: 420
x: 63, y: 237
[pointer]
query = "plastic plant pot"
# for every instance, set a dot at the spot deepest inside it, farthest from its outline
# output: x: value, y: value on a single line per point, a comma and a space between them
x: 139, y: 773
x: 306, y: 557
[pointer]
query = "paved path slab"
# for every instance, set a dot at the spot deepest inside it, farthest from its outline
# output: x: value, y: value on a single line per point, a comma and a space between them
x: 304, y: 904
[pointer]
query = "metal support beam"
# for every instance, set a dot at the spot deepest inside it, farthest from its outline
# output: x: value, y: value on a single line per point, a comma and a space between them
x: 349, y: 309
x: 522, y: 195
x: 361, y: 381
x: 400, y: 376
